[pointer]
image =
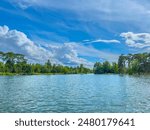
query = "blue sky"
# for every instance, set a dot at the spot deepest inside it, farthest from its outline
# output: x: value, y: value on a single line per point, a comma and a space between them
x: 71, y: 32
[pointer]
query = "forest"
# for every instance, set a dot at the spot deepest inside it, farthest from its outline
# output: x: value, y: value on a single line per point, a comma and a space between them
x: 127, y: 64
x: 11, y: 63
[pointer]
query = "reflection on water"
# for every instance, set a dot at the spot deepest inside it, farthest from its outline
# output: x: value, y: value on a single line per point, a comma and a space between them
x: 75, y: 93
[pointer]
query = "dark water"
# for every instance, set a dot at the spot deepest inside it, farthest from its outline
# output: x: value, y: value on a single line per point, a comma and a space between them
x: 75, y: 93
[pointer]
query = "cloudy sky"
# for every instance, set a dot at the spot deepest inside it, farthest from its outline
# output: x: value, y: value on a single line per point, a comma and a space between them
x: 71, y: 32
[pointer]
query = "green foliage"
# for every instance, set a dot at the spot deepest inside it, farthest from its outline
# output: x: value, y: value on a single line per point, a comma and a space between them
x: 136, y: 63
x: 106, y: 67
x: 17, y: 64
x: 130, y: 64
x: 2, y: 67
x: 11, y: 63
x: 114, y: 68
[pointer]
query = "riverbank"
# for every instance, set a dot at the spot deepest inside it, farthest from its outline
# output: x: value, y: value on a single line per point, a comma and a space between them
x: 21, y: 74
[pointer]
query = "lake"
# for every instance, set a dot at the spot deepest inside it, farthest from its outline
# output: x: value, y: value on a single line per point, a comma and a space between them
x: 75, y: 93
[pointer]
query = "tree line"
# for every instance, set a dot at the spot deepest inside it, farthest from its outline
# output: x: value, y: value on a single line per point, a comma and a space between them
x: 11, y: 63
x: 127, y: 64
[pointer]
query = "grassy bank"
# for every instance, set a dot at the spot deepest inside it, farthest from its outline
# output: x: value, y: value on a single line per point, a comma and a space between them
x: 21, y: 74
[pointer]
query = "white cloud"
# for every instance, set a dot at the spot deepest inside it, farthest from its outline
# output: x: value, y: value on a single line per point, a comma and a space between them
x: 113, y: 16
x: 3, y: 30
x: 91, y: 52
x: 65, y: 54
x: 68, y: 54
x: 104, y: 41
x: 94, y: 9
x: 13, y: 40
x: 16, y: 41
x: 137, y: 40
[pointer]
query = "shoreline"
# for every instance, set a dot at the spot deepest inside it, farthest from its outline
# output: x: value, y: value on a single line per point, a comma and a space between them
x: 38, y: 74
x: 15, y: 74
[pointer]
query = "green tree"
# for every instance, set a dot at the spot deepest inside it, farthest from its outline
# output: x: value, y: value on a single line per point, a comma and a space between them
x: 115, y: 68
x: 2, y: 67
x: 98, y: 68
x: 106, y: 67
x: 121, y: 64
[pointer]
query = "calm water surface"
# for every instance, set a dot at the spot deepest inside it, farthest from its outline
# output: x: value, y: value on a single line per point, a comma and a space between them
x: 75, y: 93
